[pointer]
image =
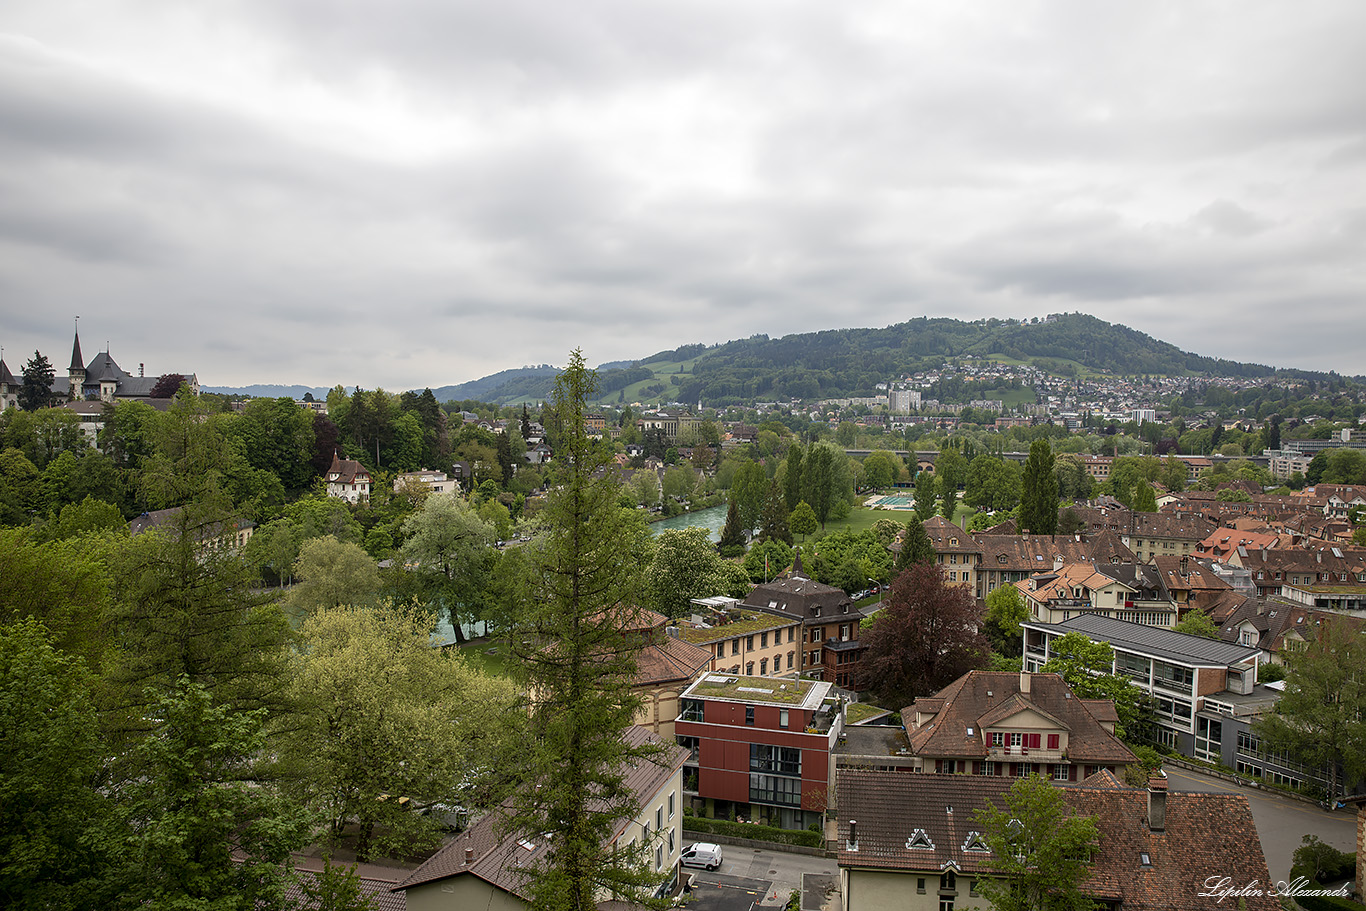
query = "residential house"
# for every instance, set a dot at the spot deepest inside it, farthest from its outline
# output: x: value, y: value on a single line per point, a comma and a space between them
x: 1177, y: 670
x: 231, y: 535
x: 348, y: 480
x: 830, y: 647
x: 1007, y: 559
x: 485, y: 867
x: 1230, y: 544
x: 1272, y: 570
x: 425, y: 480
x: 1013, y: 725
x: 955, y: 551
x: 665, y: 666
x: 912, y: 843
x: 761, y: 747
x: 9, y: 387
x: 1193, y: 586
x: 1127, y: 591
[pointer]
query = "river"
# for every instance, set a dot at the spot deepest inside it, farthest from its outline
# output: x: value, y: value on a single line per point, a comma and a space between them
x: 713, y: 520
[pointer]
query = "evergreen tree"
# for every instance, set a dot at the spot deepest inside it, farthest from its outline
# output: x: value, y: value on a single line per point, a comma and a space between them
x: 773, y: 520
x: 915, y: 546
x: 526, y: 423
x: 1039, y: 502
x: 578, y: 667
x: 36, y: 392
x: 732, y: 542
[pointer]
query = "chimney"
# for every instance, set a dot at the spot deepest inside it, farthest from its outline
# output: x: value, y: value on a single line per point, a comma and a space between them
x: 1157, y: 802
x: 469, y: 856
x: 853, y: 835
x: 1024, y: 683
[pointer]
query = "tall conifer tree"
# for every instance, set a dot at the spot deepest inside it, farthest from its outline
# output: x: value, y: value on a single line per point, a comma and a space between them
x: 1039, y: 499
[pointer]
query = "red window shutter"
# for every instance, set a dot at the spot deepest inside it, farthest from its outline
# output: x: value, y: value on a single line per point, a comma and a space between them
x: 1034, y: 740
x: 1053, y: 741
x: 939, y: 765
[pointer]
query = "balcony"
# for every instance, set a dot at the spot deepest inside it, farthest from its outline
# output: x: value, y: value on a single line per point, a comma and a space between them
x: 1025, y: 754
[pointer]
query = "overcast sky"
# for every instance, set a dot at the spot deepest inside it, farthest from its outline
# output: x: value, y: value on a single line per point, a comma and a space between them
x: 421, y: 192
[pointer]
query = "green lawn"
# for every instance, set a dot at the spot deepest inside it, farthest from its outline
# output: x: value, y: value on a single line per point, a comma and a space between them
x: 487, y: 655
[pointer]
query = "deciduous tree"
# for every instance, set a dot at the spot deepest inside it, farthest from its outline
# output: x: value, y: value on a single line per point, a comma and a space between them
x: 924, y: 495
x: 773, y: 520
x: 803, y: 520
x: 685, y: 566
x: 1041, y: 850
x: 1006, y: 610
x: 449, y: 548
x: 926, y: 637
x: 332, y: 573
x: 1088, y: 667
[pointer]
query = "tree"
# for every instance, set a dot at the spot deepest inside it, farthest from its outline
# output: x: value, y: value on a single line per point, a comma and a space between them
x: 916, y: 546
x: 924, y: 495
x: 205, y: 830
x: 732, y: 542
x: 1087, y: 668
x: 748, y: 490
x: 1320, y: 719
x: 992, y: 483
x: 949, y: 501
x: 378, y: 711
x: 36, y: 391
x: 792, y: 477
x: 52, y: 854
x: 1197, y: 623
x: 331, y: 574
x: 880, y: 469
x: 168, y: 384
x: 1006, y: 610
x: 685, y: 566
x: 773, y: 521
x: 803, y: 520
x: 1039, y: 500
x: 926, y: 637
x: 449, y: 547
x: 335, y: 888
x: 766, y: 559
x: 820, y: 480
x: 578, y: 666
x: 1074, y: 481
x: 1145, y: 498
x: 1041, y: 849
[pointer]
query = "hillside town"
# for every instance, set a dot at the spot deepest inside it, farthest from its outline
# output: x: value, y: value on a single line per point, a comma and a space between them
x: 993, y: 629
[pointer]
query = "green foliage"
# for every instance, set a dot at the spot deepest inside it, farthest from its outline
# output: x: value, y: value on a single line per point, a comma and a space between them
x: 773, y: 521
x: 1197, y: 623
x: 915, y: 546
x: 732, y: 543
x: 1041, y: 849
x: 334, y: 888
x: 203, y: 832
x: 381, y: 722
x: 1074, y: 481
x: 332, y: 573
x: 881, y: 469
x: 64, y: 584
x: 803, y: 520
x: 1006, y: 610
x: 1145, y: 498
x: 924, y: 495
x: 992, y: 483
x: 766, y: 559
x: 1320, y: 719
x: 1039, y: 500
x: 36, y: 390
x: 1319, y: 862
x: 848, y: 559
x: 704, y: 826
x: 51, y: 814
x: 685, y: 566
x: 1086, y: 666
x: 449, y: 549
x: 578, y: 667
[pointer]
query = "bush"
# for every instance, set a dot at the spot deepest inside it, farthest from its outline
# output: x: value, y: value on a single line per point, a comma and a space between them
x: 802, y: 837
x: 1321, y: 863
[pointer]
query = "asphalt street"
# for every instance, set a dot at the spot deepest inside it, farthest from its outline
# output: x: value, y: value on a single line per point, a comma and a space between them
x: 1282, y: 822
x: 752, y: 878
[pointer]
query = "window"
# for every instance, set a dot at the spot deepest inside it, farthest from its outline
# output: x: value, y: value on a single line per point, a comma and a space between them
x: 920, y: 884
x: 671, y: 805
x: 1053, y: 740
x: 1023, y: 769
x: 946, y: 903
x: 763, y: 640
x: 782, y: 760
x: 816, y: 634
x: 791, y: 632
x: 777, y: 664
x: 749, y: 643
x: 782, y: 718
x: 763, y: 667
x: 1060, y: 772
x: 659, y: 818
x: 749, y: 715
x: 775, y: 789
x: 986, y: 768
x: 692, y: 710
x: 998, y: 738
x: 735, y: 647
x: 749, y: 669
x: 671, y: 841
x: 659, y: 857
x: 948, y: 881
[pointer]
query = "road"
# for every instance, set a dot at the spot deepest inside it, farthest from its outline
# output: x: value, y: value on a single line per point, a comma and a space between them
x: 1281, y: 821
x: 752, y: 878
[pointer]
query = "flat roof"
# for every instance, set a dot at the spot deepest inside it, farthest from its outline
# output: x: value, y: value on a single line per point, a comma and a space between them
x: 806, y: 694
x: 1169, y: 645
x: 754, y: 621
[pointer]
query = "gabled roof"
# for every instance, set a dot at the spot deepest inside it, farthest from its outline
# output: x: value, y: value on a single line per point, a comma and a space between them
x: 1031, y: 553
x: 981, y: 699
x: 1204, y: 835
x: 495, y: 857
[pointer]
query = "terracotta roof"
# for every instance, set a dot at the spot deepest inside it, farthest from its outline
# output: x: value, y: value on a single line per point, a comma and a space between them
x: 670, y: 659
x: 980, y: 699
x: 495, y: 857
x: 1031, y: 553
x: 1204, y: 835
x: 347, y: 471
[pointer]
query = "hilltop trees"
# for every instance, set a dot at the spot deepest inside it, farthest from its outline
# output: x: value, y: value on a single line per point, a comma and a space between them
x: 36, y: 392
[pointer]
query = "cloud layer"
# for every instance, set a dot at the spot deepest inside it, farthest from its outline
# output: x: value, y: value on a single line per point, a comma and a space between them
x: 427, y: 191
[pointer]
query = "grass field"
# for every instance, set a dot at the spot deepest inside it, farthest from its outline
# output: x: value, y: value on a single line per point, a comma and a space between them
x: 487, y: 655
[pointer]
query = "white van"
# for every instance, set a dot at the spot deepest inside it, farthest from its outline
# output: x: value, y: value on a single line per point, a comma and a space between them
x: 701, y: 854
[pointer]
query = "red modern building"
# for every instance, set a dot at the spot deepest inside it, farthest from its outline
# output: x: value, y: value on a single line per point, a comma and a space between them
x: 761, y: 747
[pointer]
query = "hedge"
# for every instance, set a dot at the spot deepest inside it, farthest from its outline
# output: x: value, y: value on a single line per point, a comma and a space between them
x: 1325, y: 902
x: 804, y: 837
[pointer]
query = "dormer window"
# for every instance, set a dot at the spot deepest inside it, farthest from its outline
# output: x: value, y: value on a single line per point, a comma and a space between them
x: 919, y: 841
x: 976, y: 843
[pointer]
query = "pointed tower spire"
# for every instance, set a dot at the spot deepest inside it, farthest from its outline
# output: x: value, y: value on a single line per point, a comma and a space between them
x: 77, y: 362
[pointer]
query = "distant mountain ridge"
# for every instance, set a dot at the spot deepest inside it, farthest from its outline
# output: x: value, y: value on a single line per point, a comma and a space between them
x: 840, y: 363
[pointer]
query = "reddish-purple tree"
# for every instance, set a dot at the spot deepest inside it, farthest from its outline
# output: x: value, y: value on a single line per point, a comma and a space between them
x: 167, y: 385
x: 325, y: 436
x: 928, y: 635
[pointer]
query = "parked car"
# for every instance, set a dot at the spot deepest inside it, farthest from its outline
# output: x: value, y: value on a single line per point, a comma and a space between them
x: 702, y: 854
